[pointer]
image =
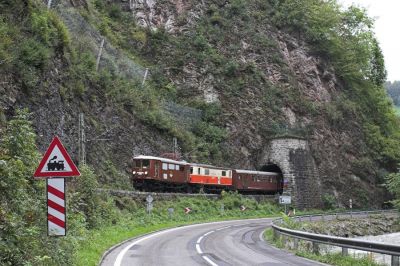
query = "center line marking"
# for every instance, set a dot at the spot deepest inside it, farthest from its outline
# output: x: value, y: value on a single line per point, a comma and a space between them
x: 206, y: 234
x: 222, y: 228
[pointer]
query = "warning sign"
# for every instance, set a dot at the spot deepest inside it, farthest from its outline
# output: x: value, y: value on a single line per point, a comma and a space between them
x: 56, y: 162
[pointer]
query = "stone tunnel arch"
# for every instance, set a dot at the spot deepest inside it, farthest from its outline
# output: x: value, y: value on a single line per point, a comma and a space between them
x: 271, y: 167
x: 292, y: 157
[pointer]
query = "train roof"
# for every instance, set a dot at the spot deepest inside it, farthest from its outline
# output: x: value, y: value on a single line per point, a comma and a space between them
x: 164, y: 160
x: 239, y: 171
x: 210, y: 166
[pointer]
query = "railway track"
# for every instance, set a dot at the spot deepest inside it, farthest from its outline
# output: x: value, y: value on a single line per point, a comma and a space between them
x: 139, y: 195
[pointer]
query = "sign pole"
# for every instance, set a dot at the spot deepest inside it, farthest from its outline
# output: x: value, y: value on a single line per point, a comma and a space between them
x: 56, y: 211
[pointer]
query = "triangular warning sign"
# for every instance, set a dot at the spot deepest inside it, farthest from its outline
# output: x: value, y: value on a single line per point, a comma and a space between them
x: 56, y: 162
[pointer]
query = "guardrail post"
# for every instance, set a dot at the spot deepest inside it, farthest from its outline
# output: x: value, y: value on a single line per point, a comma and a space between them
x: 395, y: 261
x: 295, y: 243
x: 315, y: 248
x: 284, y: 240
x: 274, y: 234
x: 345, y: 251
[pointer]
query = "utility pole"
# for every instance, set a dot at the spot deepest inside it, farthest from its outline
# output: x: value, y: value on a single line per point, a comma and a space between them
x: 99, y: 55
x: 62, y: 125
x: 82, y: 140
x: 145, y: 76
x: 49, y: 4
x: 175, y: 147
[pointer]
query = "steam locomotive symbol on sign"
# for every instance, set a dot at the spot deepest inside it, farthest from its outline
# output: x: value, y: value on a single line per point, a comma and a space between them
x: 54, y: 165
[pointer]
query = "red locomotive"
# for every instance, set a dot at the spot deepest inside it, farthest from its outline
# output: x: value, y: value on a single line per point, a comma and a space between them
x: 160, y: 174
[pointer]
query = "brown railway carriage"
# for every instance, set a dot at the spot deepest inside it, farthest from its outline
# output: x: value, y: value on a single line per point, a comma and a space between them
x: 159, y: 173
x: 246, y: 181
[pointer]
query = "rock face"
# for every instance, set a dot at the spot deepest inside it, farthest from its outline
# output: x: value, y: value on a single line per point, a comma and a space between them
x: 324, y: 161
x: 277, y: 96
x: 377, y: 225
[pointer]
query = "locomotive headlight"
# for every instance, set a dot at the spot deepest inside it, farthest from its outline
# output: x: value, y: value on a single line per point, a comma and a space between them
x: 134, y: 172
x: 145, y: 173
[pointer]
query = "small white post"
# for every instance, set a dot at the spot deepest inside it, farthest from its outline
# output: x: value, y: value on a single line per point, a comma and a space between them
x: 99, y: 55
x: 49, y: 4
x: 145, y: 76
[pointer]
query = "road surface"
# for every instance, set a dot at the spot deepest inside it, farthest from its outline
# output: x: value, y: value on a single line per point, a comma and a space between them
x: 220, y: 243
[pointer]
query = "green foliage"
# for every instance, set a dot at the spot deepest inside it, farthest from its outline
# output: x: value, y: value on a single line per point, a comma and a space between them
x: 34, y: 54
x: 23, y: 240
x: 393, y: 185
x: 338, y: 259
x: 290, y: 223
x: 329, y: 201
x: 113, y: 177
x: 86, y: 200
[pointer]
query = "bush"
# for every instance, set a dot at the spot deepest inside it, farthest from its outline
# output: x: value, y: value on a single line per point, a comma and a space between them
x: 34, y: 54
x: 329, y: 201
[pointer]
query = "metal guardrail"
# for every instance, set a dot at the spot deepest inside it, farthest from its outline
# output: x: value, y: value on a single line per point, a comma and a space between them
x: 344, y: 243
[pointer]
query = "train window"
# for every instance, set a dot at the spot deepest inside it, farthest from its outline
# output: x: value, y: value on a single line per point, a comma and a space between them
x: 171, y: 166
x: 223, y: 173
x: 181, y: 168
x: 165, y: 166
x: 198, y: 170
x: 177, y: 167
x: 145, y: 163
x: 239, y: 177
x: 191, y: 170
x: 207, y: 171
x: 136, y: 163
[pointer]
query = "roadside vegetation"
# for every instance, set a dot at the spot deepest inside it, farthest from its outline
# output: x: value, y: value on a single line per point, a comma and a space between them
x: 329, y: 258
x: 96, y: 221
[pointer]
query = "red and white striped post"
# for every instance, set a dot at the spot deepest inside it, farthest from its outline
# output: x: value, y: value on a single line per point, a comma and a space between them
x: 56, y: 220
x: 54, y: 166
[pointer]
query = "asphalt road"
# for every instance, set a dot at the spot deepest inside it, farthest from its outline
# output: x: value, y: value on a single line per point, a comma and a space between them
x: 220, y: 243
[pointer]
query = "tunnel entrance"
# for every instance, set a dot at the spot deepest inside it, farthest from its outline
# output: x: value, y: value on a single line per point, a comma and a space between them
x: 271, y: 168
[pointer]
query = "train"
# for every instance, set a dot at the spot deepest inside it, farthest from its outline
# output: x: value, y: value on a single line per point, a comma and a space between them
x: 158, y: 174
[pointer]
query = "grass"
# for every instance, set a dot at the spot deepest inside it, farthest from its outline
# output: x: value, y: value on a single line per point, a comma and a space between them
x: 338, y: 259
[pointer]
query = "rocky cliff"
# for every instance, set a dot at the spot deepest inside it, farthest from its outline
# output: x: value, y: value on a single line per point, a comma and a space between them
x: 226, y: 78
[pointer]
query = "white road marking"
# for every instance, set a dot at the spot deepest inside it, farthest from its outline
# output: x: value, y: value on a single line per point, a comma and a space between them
x: 222, y: 228
x: 199, y: 249
x: 199, y: 240
x: 209, y: 261
x: 261, y: 236
x: 121, y: 255
x: 206, y: 234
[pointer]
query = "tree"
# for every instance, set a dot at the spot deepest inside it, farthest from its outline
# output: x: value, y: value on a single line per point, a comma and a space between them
x: 393, y: 185
x: 21, y: 199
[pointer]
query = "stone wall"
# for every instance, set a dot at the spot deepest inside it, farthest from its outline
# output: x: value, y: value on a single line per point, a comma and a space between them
x: 293, y: 157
